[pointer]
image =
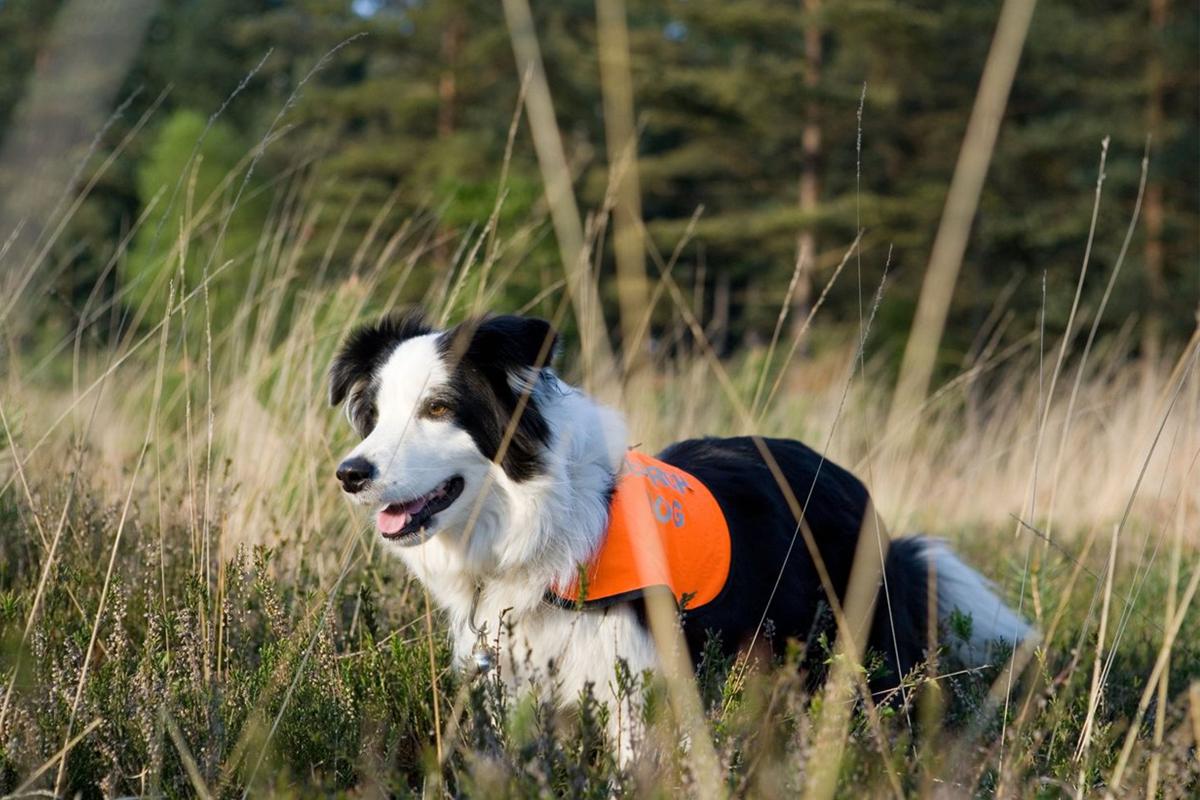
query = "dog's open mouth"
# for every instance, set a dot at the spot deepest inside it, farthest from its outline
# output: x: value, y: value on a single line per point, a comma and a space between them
x: 404, y: 523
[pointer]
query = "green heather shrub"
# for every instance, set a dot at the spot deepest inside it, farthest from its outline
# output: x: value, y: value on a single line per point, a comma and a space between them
x: 252, y: 673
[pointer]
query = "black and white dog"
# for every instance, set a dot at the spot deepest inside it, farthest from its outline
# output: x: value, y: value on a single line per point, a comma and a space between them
x: 492, y: 479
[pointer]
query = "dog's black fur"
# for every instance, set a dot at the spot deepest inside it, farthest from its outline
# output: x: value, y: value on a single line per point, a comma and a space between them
x: 361, y: 356
x: 763, y: 529
x: 486, y: 352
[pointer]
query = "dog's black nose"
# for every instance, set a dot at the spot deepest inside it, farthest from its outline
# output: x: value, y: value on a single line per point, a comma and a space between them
x: 355, y: 473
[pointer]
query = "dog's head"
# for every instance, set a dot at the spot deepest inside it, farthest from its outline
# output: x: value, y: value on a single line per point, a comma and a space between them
x: 437, y: 412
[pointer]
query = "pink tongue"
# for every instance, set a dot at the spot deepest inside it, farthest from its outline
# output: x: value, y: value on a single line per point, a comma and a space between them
x: 391, y: 521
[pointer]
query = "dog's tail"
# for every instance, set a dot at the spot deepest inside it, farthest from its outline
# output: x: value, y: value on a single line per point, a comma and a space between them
x: 976, y: 625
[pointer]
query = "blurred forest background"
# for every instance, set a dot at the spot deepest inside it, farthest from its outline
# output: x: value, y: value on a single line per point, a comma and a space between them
x: 747, y: 109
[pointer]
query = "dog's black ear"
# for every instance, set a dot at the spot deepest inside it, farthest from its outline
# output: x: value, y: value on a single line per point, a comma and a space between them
x: 366, y: 349
x: 495, y: 362
x: 507, y: 342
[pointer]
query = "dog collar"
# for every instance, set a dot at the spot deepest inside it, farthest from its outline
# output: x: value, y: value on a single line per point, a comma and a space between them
x: 483, y: 655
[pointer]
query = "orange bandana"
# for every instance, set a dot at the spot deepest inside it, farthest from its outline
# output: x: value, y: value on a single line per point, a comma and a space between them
x: 665, y: 531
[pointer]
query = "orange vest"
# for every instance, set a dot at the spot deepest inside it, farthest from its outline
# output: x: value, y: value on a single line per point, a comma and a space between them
x: 665, y: 531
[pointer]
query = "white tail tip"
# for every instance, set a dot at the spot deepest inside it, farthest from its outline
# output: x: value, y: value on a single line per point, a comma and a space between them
x: 964, y: 594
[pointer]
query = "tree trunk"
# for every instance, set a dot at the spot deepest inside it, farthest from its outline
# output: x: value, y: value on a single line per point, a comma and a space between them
x: 633, y: 288
x: 448, y: 82
x: 1153, y: 250
x: 810, y: 170
x: 68, y: 95
x: 447, y: 118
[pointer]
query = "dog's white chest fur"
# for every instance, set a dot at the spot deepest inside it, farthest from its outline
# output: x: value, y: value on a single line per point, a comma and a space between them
x: 517, y: 539
x: 566, y: 650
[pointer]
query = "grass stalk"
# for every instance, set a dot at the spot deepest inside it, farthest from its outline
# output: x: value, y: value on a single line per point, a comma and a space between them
x: 950, y: 242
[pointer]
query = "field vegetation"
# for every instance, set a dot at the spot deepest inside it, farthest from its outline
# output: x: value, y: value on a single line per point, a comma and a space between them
x: 190, y: 607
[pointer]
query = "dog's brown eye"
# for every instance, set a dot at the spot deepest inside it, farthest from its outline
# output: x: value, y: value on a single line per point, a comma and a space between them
x: 436, y: 409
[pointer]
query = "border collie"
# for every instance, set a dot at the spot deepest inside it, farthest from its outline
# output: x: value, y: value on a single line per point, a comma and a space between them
x: 493, y: 479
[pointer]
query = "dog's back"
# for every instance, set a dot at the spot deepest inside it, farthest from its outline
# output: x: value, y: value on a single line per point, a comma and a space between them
x: 775, y: 590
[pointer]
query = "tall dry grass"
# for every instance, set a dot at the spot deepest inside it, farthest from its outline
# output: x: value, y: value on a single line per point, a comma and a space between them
x: 222, y: 438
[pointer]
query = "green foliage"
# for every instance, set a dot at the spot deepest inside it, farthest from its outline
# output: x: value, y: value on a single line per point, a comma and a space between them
x: 192, y: 177
x: 960, y: 625
x: 411, y: 122
x: 265, y: 671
